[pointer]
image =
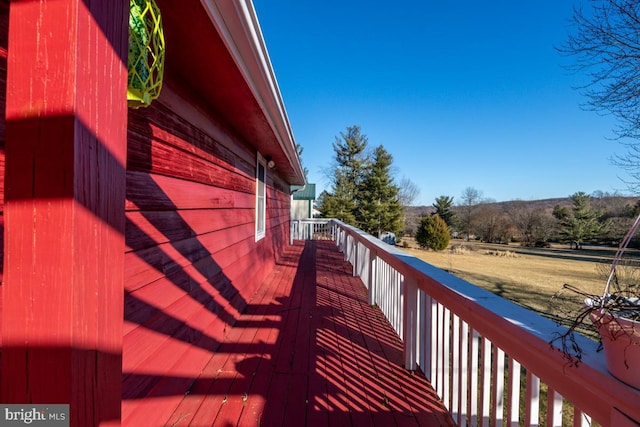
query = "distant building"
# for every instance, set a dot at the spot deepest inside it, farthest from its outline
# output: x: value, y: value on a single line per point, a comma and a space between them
x: 303, y: 201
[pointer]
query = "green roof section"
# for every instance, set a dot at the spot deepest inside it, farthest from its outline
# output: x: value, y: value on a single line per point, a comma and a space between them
x: 308, y: 192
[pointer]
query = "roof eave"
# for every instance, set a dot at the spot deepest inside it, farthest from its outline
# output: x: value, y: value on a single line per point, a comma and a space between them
x: 237, y: 24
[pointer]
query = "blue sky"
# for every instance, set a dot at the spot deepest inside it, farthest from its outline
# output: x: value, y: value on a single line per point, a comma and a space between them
x: 462, y: 94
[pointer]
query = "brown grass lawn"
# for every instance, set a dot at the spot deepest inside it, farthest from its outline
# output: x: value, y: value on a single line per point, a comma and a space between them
x: 526, y: 276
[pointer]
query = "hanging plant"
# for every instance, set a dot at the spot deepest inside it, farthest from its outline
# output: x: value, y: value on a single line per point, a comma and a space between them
x: 146, y: 53
x: 615, y: 315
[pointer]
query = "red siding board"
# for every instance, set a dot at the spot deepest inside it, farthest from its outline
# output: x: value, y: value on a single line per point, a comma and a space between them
x: 158, y: 158
x: 216, y: 293
x: 192, y: 261
x: 150, y: 264
x: 157, y: 192
x: 162, y: 124
x: 150, y: 228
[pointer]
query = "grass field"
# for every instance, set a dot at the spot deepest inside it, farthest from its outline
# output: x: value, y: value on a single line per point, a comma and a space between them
x: 526, y: 276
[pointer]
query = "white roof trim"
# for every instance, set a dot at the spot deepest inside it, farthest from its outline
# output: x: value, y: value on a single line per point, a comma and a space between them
x: 237, y: 23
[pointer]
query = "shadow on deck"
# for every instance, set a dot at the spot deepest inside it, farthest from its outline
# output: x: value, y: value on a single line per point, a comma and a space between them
x: 309, y: 351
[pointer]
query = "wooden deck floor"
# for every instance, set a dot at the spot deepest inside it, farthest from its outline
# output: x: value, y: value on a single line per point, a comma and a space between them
x: 310, y: 351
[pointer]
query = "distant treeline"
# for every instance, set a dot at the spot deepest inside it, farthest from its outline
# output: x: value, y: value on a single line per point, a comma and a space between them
x: 576, y: 220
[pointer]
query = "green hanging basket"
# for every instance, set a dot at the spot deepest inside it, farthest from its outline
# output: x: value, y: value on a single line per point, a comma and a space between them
x: 146, y: 53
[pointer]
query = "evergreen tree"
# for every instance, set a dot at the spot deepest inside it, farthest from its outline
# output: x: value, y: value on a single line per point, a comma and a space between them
x: 348, y: 172
x: 378, y: 206
x: 335, y: 207
x: 583, y: 224
x: 561, y: 213
x: 433, y: 233
x: 635, y: 210
x: 363, y: 192
x: 444, y: 209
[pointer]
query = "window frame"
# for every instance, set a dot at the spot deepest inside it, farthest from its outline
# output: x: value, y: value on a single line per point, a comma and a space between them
x: 261, y: 197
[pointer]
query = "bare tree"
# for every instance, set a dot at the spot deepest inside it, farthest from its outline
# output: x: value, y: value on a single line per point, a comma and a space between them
x: 606, y: 45
x: 491, y: 223
x: 469, y: 199
x: 532, y: 224
x: 408, y: 192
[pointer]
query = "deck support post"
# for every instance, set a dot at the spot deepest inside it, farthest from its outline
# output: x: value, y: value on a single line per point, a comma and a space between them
x: 66, y: 134
x: 410, y: 322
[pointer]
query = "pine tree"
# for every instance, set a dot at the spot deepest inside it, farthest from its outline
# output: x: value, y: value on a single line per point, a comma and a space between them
x: 584, y: 224
x: 444, y: 209
x: 433, y: 233
x: 363, y: 191
x: 351, y: 162
x: 378, y: 205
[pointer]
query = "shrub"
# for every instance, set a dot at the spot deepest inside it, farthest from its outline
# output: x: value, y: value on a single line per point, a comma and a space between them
x: 460, y: 249
x: 505, y: 254
x: 433, y: 233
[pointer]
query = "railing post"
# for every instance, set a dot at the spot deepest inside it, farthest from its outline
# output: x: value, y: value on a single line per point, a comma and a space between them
x: 293, y: 234
x: 410, y: 321
x: 347, y: 247
x: 426, y: 333
x: 373, y: 276
x: 355, y: 257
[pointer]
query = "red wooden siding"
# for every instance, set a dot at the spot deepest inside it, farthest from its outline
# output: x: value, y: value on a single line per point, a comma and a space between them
x: 130, y: 240
x: 192, y: 261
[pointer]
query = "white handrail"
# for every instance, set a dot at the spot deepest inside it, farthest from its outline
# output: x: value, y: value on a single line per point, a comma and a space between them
x: 312, y: 229
x: 473, y: 345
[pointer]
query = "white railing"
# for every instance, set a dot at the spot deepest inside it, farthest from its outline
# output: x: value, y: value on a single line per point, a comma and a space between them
x: 312, y: 229
x: 488, y: 359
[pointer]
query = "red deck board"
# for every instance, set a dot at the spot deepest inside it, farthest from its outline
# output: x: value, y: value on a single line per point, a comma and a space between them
x: 308, y: 350
x: 189, y: 405
x: 208, y: 393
